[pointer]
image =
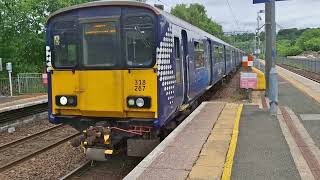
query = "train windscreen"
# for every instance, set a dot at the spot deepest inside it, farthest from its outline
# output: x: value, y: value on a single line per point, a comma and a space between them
x: 101, y: 44
x: 139, y: 41
x: 65, y: 43
x: 115, y: 42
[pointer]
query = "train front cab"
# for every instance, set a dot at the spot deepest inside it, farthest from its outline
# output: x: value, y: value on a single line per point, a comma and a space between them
x: 102, y: 71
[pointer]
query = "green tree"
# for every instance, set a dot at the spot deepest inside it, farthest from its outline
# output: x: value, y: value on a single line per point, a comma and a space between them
x: 290, y: 34
x: 309, y: 40
x: 22, y: 31
x: 312, y: 44
x: 196, y: 15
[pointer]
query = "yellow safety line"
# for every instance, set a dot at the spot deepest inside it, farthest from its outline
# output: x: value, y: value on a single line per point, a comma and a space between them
x: 232, y: 148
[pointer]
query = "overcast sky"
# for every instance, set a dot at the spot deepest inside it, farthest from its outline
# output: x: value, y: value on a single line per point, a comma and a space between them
x: 289, y: 14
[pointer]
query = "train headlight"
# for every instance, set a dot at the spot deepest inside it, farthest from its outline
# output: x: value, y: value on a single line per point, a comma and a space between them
x: 63, y: 100
x: 131, y: 102
x: 140, y: 102
x: 66, y: 100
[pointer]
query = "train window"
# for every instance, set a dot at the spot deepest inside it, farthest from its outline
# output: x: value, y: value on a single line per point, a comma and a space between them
x: 199, y: 54
x: 139, y: 41
x: 65, y: 49
x: 218, y: 53
x: 100, y: 44
x: 177, y: 47
x: 178, y: 60
x: 228, y: 54
x: 222, y: 53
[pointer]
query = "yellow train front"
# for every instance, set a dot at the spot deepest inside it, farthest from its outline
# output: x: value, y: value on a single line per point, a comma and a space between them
x: 120, y: 71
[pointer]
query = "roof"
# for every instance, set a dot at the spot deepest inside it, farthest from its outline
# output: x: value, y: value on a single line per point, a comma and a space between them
x: 105, y: 3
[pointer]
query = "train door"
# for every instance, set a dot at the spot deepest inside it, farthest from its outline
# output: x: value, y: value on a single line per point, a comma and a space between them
x: 185, y: 64
x: 209, y: 60
x: 179, y: 71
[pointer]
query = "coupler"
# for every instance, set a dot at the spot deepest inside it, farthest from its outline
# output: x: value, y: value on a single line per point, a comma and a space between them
x: 96, y: 142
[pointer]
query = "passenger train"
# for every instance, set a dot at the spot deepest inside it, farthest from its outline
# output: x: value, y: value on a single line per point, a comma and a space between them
x: 121, y: 71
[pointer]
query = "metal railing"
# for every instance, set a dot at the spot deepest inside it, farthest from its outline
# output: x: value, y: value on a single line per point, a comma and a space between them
x: 24, y: 83
x: 312, y: 65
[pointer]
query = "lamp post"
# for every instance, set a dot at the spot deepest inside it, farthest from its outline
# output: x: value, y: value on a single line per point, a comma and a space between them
x: 257, y: 45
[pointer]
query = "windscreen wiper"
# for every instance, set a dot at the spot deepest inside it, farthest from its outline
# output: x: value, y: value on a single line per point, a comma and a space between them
x: 145, y: 42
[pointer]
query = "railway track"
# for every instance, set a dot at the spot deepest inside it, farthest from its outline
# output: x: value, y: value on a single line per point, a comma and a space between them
x: 307, y: 74
x: 115, y: 168
x: 23, y: 149
x: 9, y: 116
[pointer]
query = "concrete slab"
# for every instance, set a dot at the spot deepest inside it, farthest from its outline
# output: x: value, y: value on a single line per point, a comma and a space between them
x: 211, y: 162
x: 163, y: 174
x: 205, y: 173
x: 310, y: 117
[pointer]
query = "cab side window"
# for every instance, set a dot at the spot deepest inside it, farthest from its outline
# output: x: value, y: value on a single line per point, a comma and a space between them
x: 177, y: 58
x: 199, y: 54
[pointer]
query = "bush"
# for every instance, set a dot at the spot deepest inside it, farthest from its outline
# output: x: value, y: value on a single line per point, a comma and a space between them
x: 309, y: 40
x: 293, y: 51
x: 312, y: 44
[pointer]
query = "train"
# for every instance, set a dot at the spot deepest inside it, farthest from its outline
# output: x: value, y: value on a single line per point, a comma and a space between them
x: 123, y: 71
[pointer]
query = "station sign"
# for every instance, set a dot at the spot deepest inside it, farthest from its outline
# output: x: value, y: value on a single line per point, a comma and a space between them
x: 247, y: 61
x: 248, y: 80
x: 263, y: 1
x: 9, y: 67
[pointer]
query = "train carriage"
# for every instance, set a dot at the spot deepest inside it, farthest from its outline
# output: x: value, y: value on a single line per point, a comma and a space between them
x: 123, y: 70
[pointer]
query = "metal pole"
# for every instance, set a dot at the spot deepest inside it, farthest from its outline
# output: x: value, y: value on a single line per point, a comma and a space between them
x: 10, y: 83
x: 19, y: 85
x: 256, y: 36
x: 272, y: 91
x: 268, y: 53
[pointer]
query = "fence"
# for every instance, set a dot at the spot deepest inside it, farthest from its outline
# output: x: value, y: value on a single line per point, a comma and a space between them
x: 305, y: 64
x: 24, y: 83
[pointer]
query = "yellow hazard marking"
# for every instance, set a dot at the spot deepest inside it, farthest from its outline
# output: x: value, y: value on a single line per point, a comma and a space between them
x: 232, y: 148
x: 106, y: 139
x: 108, y: 151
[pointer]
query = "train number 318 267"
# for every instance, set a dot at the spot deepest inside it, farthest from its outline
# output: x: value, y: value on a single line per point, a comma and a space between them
x: 140, y: 85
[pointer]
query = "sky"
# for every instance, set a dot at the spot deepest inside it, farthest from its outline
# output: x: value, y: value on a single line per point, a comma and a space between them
x: 289, y: 14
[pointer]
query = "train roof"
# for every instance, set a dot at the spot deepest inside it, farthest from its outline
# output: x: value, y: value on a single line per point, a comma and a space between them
x: 106, y: 3
x: 172, y: 18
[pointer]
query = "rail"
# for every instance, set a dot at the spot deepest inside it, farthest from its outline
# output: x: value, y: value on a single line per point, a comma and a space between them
x: 23, y: 149
x: 76, y: 170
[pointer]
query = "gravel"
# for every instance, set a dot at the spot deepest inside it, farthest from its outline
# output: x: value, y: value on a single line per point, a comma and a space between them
x: 51, y: 164
x: 230, y: 92
x: 116, y: 168
x: 25, y: 130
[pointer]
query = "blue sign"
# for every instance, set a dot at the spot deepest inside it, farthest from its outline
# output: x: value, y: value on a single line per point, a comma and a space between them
x: 260, y: 1
x: 263, y: 1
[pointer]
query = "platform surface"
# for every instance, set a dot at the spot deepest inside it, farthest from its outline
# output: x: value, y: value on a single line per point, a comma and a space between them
x: 12, y: 103
x: 262, y: 151
x: 175, y: 157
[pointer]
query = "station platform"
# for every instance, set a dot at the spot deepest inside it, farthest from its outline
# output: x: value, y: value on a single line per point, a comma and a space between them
x: 222, y: 140
x: 17, y: 102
